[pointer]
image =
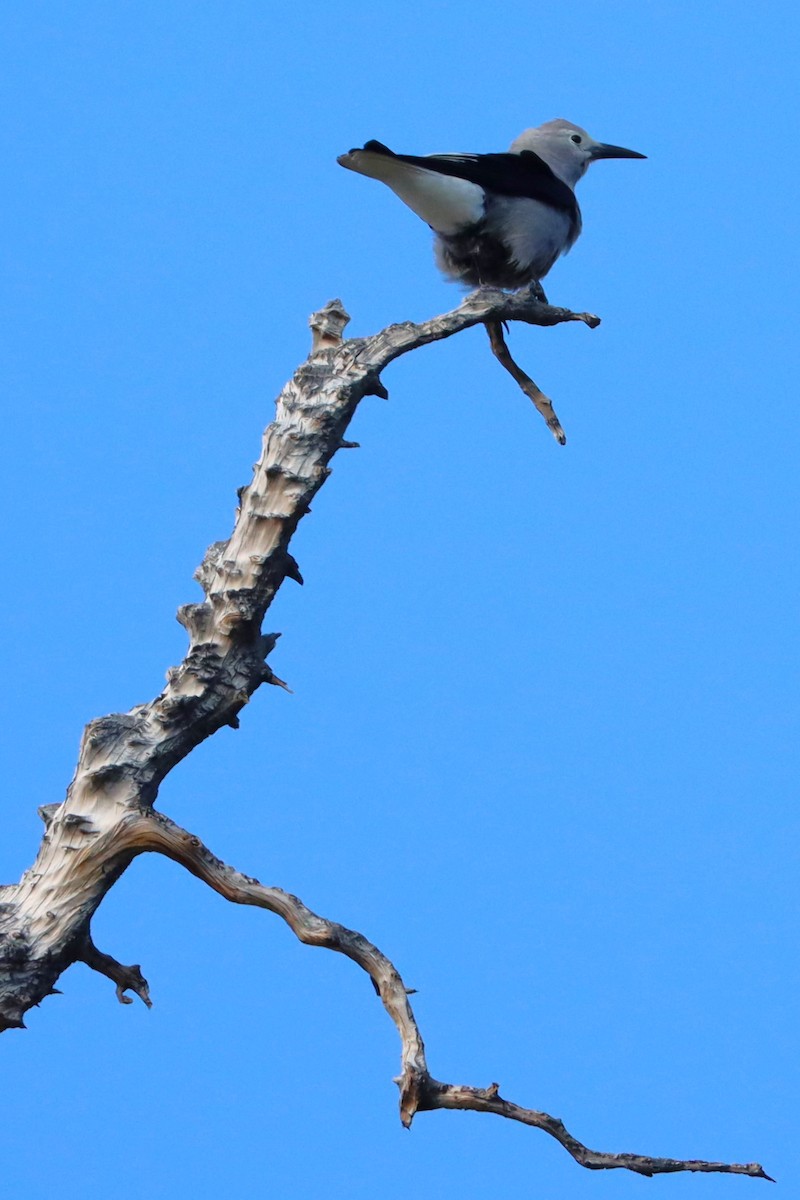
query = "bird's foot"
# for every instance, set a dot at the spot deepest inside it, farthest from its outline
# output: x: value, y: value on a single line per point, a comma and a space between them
x: 537, y: 292
x: 486, y: 289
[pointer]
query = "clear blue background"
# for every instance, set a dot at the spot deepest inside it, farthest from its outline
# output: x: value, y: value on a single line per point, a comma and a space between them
x: 543, y: 742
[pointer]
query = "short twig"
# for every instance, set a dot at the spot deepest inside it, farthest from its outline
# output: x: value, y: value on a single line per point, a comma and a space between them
x: 534, y: 393
x: 126, y: 978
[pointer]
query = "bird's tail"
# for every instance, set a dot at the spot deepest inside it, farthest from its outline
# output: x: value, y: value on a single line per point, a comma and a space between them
x: 374, y: 159
x: 445, y: 202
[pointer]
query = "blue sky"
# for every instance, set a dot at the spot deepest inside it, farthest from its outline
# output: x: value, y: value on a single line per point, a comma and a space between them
x: 543, y: 742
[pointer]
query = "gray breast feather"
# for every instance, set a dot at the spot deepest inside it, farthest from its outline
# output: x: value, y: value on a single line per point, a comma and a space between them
x: 515, y: 243
x: 534, y: 233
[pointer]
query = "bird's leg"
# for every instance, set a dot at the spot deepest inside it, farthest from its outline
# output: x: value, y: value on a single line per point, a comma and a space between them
x: 537, y: 291
x: 486, y: 289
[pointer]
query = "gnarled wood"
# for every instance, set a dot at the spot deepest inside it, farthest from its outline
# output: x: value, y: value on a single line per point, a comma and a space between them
x: 107, y: 818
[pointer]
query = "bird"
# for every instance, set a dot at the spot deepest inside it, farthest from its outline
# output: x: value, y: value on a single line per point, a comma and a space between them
x: 500, y: 220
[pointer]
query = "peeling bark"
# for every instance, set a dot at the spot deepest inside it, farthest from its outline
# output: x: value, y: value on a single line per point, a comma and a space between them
x: 108, y: 818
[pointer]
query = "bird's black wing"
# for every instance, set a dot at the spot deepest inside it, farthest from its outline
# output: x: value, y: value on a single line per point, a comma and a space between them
x: 524, y: 174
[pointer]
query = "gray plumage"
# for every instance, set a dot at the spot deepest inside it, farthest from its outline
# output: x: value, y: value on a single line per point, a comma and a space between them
x: 500, y: 220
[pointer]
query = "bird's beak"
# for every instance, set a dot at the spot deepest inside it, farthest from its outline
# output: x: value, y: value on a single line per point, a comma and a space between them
x: 601, y: 150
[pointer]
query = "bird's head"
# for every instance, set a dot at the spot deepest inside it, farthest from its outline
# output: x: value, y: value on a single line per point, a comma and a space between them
x: 567, y: 148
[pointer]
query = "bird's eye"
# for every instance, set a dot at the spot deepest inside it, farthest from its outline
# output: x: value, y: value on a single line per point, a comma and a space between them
x: 576, y: 139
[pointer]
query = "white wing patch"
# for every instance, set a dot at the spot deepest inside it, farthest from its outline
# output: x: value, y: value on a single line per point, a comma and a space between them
x: 444, y: 202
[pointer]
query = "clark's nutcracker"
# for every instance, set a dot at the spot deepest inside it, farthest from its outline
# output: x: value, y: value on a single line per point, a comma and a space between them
x: 501, y: 220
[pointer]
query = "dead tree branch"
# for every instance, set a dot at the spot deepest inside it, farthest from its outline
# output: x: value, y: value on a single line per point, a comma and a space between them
x: 108, y: 818
x: 126, y: 978
x: 544, y: 404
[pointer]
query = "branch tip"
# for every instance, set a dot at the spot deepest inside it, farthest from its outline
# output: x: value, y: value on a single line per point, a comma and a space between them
x: 268, y: 642
x: 276, y: 681
x: 376, y: 388
x: 293, y: 570
x: 327, y: 326
x: 125, y: 978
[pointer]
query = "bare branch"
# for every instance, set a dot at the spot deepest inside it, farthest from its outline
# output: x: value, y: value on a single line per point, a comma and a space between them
x: 543, y: 404
x: 488, y: 1100
x: 419, y: 1091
